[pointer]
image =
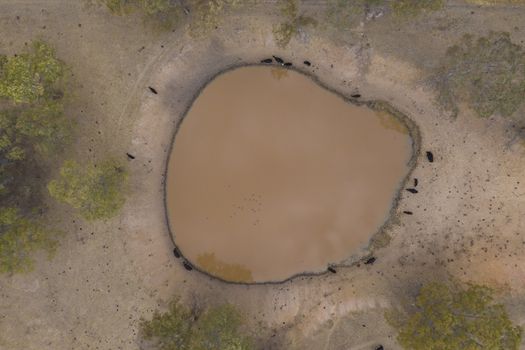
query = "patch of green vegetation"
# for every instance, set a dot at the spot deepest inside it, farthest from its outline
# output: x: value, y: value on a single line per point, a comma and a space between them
x: 170, y: 330
x: 95, y: 190
x: 32, y: 127
x: 488, y: 74
x: 293, y: 23
x: 181, y: 328
x: 31, y: 76
x: 19, y: 238
x: 455, y: 318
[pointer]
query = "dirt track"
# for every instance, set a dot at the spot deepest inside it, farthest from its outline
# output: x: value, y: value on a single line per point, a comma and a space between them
x: 468, y: 217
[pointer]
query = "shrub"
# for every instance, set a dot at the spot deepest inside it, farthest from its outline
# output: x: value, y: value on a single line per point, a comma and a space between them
x: 166, y: 14
x: 95, y: 190
x: 29, y: 76
x: 180, y: 328
x: 456, y: 318
x: 171, y: 330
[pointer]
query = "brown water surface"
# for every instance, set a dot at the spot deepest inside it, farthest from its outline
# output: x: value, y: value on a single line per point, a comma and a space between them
x: 272, y: 175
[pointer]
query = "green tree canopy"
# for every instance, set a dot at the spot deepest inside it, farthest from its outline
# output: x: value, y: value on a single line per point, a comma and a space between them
x: 31, y: 111
x: 32, y: 124
x: 450, y: 319
x: 180, y: 328
x: 96, y: 190
x: 218, y: 329
x: 26, y: 77
x: 171, y: 330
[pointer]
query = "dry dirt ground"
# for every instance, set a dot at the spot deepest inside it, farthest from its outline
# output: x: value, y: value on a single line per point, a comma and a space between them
x: 468, y: 220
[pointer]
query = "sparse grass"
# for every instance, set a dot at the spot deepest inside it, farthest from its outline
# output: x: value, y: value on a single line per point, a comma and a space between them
x: 340, y: 14
x: 415, y: 7
x: 496, y: 2
x: 292, y: 24
x: 20, y: 236
x: 488, y: 74
x: 162, y: 14
x: 206, y: 14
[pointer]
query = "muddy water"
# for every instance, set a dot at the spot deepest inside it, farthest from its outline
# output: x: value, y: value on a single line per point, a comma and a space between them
x: 272, y: 175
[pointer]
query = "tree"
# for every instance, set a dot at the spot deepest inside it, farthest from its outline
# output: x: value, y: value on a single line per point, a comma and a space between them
x: 448, y: 318
x: 218, y: 329
x: 32, y: 75
x: 31, y: 111
x: 95, y: 190
x: 32, y: 124
x: 19, y: 238
x: 180, y: 328
x: 170, y: 330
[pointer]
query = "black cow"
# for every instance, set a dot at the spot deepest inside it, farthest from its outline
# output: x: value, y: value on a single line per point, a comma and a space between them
x: 407, y: 212
x: 355, y: 95
x: 307, y: 63
x: 430, y: 157
x: 176, y: 252
x: 187, y: 265
x: 331, y: 269
x: 130, y: 156
x: 267, y: 60
x: 287, y: 64
x: 278, y: 59
x: 370, y: 261
x: 412, y: 190
x: 152, y: 90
